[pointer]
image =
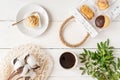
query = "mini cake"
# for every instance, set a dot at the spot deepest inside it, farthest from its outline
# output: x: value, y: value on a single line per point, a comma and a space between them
x: 103, y: 4
x: 33, y: 20
x: 87, y: 12
x: 102, y: 21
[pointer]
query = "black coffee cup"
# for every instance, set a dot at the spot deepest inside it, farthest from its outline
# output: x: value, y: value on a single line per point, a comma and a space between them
x: 68, y: 60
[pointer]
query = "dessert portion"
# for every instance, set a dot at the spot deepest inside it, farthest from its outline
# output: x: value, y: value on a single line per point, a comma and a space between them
x: 102, y: 21
x: 33, y: 20
x: 26, y: 62
x: 87, y: 12
x: 103, y: 4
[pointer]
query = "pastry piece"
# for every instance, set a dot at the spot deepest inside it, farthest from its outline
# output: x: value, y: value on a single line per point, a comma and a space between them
x: 26, y: 62
x: 87, y: 12
x: 33, y: 20
x: 102, y: 21
x: 103, y: 4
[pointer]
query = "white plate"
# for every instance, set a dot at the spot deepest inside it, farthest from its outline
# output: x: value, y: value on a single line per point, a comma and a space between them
x: 25, y: 11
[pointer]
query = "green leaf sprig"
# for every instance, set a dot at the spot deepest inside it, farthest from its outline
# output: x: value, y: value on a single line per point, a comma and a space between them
x: 101, y: 64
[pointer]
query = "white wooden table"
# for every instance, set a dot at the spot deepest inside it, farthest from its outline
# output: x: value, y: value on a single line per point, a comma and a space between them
x: 58, y: 10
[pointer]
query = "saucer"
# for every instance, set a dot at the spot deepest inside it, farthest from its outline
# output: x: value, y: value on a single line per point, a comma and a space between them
x: 24, y: 12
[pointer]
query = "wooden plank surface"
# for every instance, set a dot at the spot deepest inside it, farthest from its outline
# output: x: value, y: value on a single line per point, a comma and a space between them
x: 11, y: 36
x: 58, y: 11
x: 9, y: 8
x: 58, y: 71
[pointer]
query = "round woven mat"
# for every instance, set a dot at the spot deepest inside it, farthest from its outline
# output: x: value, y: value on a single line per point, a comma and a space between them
x: 41, y: 56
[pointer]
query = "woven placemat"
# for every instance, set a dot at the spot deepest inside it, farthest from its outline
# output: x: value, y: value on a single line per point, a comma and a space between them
x: 41, y: 56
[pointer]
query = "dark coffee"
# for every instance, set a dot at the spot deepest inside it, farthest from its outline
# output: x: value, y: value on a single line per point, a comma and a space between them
x: 67, y: 60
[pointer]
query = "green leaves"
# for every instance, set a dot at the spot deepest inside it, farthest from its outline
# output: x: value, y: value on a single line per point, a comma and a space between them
x: 101, y: 63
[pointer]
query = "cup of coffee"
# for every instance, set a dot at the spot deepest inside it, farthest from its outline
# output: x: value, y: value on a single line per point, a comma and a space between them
x: 68, y: 60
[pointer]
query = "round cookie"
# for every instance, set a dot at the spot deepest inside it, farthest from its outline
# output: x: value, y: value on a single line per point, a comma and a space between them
x: 102, y: 21
x: 103, y: 4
